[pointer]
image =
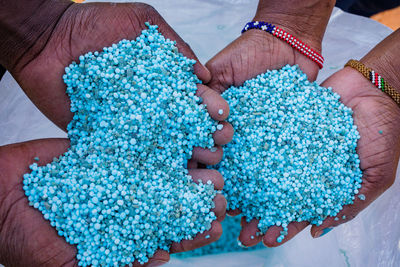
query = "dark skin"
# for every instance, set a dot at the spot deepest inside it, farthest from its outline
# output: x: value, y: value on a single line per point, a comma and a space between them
x: 36, y: 57
x: 254, y: 52
x: 90, y: 27
x: 373, y: 112
x: 27, y: 239
x: 77, y: 30
x: 379, y: 153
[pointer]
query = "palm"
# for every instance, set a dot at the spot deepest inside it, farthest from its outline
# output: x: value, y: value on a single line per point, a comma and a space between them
x: 27, y: 239
x: 84, y: 28
x: 251, y: 54
x: 90, y: 27
x: 378, y: 121
x: 25, y: 235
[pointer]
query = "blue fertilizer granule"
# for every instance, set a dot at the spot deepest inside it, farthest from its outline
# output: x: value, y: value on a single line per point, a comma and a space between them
x: 228, y: 242
x: 122, y: 190
x: 293, y: 156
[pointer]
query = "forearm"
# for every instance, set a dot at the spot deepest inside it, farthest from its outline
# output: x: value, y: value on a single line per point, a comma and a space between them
x: 25, y: 26
x: 305, y: 19
x: 385, y: 59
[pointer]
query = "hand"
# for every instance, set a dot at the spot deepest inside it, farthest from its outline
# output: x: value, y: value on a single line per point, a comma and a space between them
x: 82, y: 28
x: 90, y: 27
x: 256, y: 51
x: 378, y: 120
x: 27, y: 239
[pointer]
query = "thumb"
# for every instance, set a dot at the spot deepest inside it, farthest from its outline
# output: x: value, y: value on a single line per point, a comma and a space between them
x: 16, y: 158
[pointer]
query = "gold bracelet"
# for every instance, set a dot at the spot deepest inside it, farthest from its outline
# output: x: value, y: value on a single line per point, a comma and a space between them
x: 375, y: 78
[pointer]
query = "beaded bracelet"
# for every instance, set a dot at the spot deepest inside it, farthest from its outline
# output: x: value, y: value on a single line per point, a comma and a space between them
x: 288, y: 38
x: 375, y: 78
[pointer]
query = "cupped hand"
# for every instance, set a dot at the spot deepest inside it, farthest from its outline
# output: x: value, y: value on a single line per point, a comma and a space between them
x: 256, y: 51
x: 90, y: 27
x: 80, y: 29
x: 378, y: 121
x: 27, y: 239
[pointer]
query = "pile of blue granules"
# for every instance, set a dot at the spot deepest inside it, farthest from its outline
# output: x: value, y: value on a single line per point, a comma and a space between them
x: 293, y: 156
x: 122, y: 190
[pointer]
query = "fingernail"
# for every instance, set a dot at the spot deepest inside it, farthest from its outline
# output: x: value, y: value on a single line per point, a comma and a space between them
x: 323, y: 232
x: 156, y: 263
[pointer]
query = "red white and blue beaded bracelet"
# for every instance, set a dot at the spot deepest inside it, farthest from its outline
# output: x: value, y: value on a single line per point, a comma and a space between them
x: 288, y: 38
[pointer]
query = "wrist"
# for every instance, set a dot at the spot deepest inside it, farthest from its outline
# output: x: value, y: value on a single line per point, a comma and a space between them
x: 306, y: 20
x: 384, y: 60
x: 25, y: 27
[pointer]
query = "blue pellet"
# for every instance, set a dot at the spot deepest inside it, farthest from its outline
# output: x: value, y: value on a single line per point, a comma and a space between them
x: 293, y: 155
x: 121, y: 191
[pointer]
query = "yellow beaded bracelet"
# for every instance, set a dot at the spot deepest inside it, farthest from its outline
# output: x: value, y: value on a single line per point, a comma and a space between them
x: 375, y: 78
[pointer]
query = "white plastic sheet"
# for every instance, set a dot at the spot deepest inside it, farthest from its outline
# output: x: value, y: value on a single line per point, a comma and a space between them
x: 371, y: 239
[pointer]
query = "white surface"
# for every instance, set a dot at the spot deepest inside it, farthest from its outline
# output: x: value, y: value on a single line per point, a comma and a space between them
x: 372, y: 239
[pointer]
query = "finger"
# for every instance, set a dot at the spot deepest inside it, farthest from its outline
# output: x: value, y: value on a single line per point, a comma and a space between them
x: 217, y: 107
x: 270, y: 237
x: 205, y: 175
x: 248, y: 235
x: 199, y: 69
x: 200, y: 240
x: 207, y: 156
x: 234, y: 212
x: 220, y: 207
x: 346, y: 214
x: 159, y: 258
x: 22, y: 221
x: 191, y: 164
x: 223, y: 134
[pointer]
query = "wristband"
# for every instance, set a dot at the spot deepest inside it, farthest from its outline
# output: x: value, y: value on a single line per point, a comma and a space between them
x: 288, y: 38
x: 375, y: 78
